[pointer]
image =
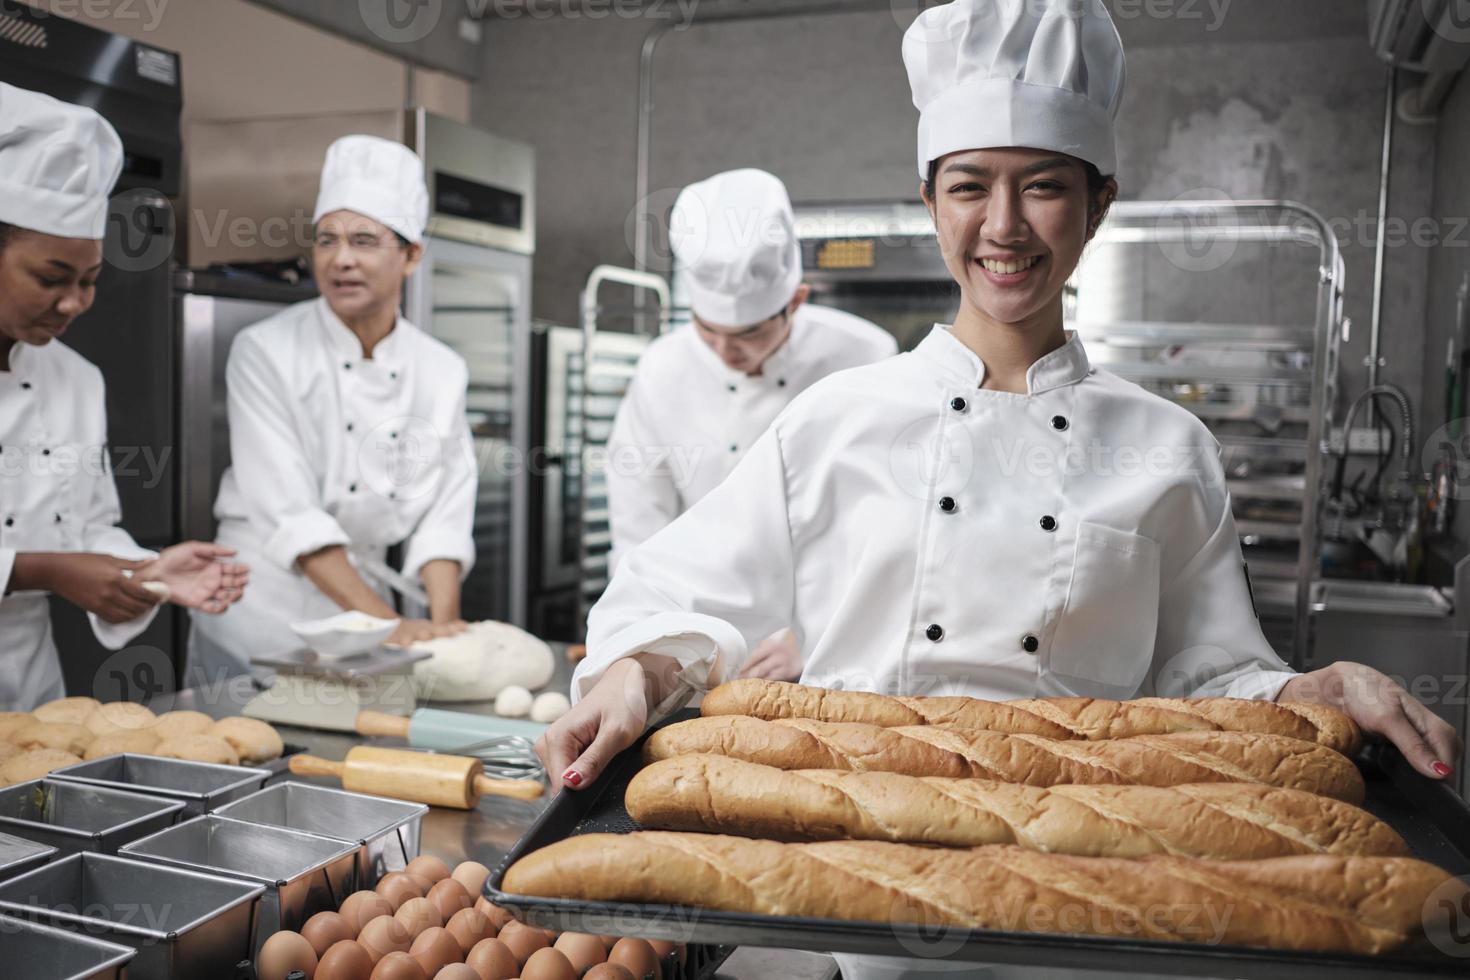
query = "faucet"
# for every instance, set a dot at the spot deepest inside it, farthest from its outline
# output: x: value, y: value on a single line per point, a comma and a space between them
x: 1406, y: 440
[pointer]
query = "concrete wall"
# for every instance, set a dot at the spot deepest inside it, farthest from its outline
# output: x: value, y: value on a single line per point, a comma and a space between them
x: 1274, y: 101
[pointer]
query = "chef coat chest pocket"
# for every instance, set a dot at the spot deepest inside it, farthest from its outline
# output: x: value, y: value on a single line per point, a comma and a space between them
x: 1104, y: 638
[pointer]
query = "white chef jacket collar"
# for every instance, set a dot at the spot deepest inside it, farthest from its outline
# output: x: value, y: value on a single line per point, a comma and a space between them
x: 346, y: 343
x: 1063, y: 366
x: 775, y: 367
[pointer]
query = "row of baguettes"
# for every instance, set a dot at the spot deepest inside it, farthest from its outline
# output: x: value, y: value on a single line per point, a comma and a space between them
x: 1220, y: 821
x: 929, y: 750
x: 1319, y: 902
x: 1068, y: 718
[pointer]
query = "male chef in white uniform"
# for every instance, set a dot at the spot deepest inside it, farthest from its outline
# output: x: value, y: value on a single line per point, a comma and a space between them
x: 348, y: 432
x: 58, y: 504
x: 704, y: 393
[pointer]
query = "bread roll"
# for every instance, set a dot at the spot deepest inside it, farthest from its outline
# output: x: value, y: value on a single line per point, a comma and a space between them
x: 33, y: 764
x: 142, y: 741
x: 10, y: 721
x: 1085, y: 718
x: 72, y: 711
x: 1349, y: 904
x: 1223, y: 821
x: 120, y: 716
x: 198, y: 748
x: 171, y: 724
x: 932, y: 750
x: 252, y: 739
x: 53, y: 735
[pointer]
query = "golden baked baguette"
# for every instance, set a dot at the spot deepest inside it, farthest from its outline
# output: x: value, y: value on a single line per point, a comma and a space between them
x: 1085, y: 718
x: 1221, y: 821
x: 934, y: 750
x: 1316, y: 902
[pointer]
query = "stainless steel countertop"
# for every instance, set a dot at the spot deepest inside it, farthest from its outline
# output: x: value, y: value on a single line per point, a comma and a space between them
x: 488, y: 832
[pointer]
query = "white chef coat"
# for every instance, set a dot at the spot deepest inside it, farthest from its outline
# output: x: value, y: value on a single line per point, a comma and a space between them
x: 56, y: 494
x: 331, y: 448
x: 925, y: 536
x: 688, y: 419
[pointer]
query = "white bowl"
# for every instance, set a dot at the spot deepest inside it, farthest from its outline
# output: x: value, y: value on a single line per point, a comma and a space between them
x: 345, y: 634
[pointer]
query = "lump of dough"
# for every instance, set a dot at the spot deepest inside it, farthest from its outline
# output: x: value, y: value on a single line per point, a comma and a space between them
x: 141, y: 741
x: 198, y: 748
x: 481, y: 662
x: 73, y: 711
x: 254, y: 740
x: 549, y: 706
x: 120, y: 716
x: 33, y: 764
x: 513, y: 702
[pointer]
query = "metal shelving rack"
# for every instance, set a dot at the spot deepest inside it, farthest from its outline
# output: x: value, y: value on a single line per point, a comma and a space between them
x: 1156, y: 298
x: 608, y: 361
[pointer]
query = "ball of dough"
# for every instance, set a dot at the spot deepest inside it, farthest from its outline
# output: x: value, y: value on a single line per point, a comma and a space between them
x: 482, y: 661
x: 513, y: 702
x: 174, y: 723
x: 33, y: 764
x: 12, y: 720
x: 142, y: 741
x: 252, y: 739
x: 53, y: 735
x: 549, y: 706
x: 120, y: 716
x: 73, y: 711
x: 198, y: 748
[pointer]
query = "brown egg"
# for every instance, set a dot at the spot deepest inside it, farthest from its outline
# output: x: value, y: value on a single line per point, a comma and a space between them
x: 609, y: 941
x: 360, y: 908
x: 468, y: 927
x: 384, y: 935
x: 398, y: 966
x: 497, y: 915
x: 549, y: 964
x: 397, y: 887
x: 449, y: 897
x: 326, y: 928
x: 638, y: 957
x: 457, y: 971
x: 435, y: 948
x: 522, y: 940
x: 418, y: 914
x: 428, y: 866
x: 345, y: 960
x: 472, y: 875
x: 282, y: 953
x: 423, y: 881
x: 493, y: 960
x: 583, y: 950
x: 608, y: 971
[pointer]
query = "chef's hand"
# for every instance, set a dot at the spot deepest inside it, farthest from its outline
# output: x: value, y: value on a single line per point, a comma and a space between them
x: 1381, y: 706
x: 579, y: 745
x: 411, y: 631
x: 198, y: 576
x: 776, y: 658
x: 97, y: 583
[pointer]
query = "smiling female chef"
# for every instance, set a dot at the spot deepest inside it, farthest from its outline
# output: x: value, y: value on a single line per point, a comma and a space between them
x: 348, y: 432
x: 989, y: 515
x: 58, y: 502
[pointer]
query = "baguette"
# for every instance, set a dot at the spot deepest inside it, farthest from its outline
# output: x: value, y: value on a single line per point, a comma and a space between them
x: 929, y: 750
x: 1221, y: 821
x: 1084, y: 718
x: 1349, y: 904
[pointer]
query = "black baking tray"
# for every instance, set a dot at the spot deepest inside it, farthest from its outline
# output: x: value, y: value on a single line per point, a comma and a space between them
x: 1431, y: 817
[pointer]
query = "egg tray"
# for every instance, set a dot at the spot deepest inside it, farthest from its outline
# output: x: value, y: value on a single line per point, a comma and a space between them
x: 1433, y: 820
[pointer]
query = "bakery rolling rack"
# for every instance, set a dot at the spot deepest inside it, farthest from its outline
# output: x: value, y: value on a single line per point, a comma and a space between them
x: 1431, y: 817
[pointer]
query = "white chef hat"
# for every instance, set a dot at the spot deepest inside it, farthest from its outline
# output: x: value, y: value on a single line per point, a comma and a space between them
x: 1046, y: 74
x: 735, y: 236
x: 376, y: 178
x: 58, y: 163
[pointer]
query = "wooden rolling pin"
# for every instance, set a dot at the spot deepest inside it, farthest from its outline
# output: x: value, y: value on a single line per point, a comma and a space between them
x: 444, y: 731
x: 439, y: 780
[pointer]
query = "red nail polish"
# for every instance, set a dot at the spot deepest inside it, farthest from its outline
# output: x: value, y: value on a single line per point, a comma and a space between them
x: 1440, y: 769
x: 572, y: 776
